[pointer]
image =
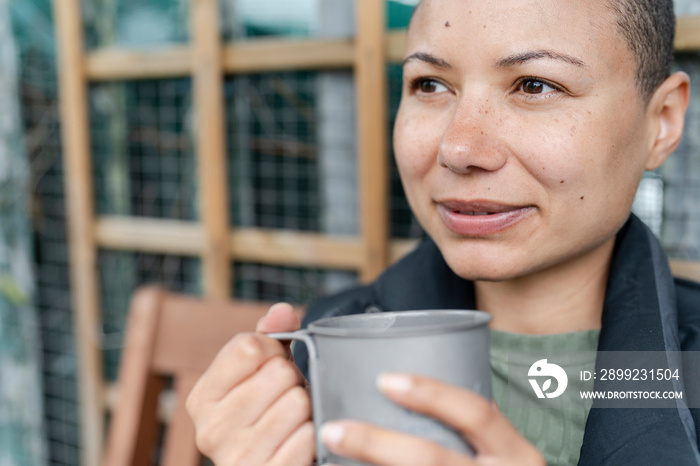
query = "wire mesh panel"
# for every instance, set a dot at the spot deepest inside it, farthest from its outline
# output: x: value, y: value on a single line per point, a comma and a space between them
x: 681, y: 177
x: 273, y: 150
x: 40, y: 114
x: 121, y: 273
x: 135, y: 23
x: 274, y: 283
x: 243, y: 19
x: 142, y: 146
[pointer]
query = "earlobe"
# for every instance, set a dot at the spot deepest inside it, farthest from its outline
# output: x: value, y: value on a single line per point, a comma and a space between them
x: 668, y: 106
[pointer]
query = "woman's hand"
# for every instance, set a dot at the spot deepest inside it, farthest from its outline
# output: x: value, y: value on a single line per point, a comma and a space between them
x: 495, y: 439
x: 250, y: 407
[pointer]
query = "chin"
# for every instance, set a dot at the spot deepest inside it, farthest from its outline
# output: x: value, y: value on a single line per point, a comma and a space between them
x: 478, y: 269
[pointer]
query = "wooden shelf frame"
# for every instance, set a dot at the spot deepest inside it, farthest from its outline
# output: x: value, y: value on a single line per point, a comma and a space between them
x: 207, y: 60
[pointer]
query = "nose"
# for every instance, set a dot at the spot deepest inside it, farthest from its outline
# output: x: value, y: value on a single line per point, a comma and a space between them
x: 471, y: 140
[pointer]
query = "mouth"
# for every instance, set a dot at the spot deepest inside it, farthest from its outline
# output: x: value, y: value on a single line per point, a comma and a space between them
x: 480, y: 218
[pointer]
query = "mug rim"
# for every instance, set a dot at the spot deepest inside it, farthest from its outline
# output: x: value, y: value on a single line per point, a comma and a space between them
x: 476, y: 319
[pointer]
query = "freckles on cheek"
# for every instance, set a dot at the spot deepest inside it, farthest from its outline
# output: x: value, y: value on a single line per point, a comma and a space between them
x: 414, y: 150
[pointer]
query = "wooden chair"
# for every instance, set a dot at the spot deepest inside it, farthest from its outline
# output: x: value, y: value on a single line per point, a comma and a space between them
x: 686, y: 269
x: 168, y: 336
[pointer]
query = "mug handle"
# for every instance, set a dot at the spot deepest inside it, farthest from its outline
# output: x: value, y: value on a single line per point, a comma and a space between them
x: 305, y: 337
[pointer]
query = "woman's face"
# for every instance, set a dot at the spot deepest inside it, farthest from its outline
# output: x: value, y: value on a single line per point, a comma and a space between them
x: 521, y: 136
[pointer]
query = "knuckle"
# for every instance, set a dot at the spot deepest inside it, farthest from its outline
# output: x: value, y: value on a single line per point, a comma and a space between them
x: 205, y: 439
x: 284, y: 373
x: 248, y: 345
x: 481, y: 416
x: 299, y: 399
x: 435, y: 456
x: 192, y: 402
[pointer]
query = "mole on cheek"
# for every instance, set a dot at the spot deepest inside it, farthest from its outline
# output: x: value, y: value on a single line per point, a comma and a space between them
x: 581, y: 197
x: 562, y: 181
x: 447, y: 24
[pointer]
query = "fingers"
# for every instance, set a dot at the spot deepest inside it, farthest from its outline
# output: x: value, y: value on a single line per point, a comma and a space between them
x: 249, y: 401
x: 479, y: 421
x: 249, y: 406
x: 298, y: 449
x: 255, y: 417
x: 283, y: 418
x: 382, y: 447
x: 241, y: 357
x: 280, y: 318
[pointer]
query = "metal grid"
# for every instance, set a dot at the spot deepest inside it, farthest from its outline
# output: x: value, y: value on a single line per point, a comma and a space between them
x: 681, y: 177
x: 142, y: 149
x: 273, y: 150
x: 262, y: 282
x: 39, y: 108
x: 121, y: 273
x: 135, y: 23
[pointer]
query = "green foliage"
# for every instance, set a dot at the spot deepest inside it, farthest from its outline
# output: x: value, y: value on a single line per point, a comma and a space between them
x: 10, y: 290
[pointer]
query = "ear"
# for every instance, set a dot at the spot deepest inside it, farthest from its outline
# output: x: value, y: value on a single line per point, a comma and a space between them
x: 666, y: 109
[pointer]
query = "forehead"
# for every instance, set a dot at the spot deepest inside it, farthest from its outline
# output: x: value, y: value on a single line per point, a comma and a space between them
x: 582, y: 28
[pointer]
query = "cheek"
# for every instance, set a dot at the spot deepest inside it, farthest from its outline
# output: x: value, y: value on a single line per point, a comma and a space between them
x: 570, y: 154
x: 415, y: 146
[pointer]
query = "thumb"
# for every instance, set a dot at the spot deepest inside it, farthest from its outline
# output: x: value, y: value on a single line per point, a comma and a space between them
x: 280, y: 318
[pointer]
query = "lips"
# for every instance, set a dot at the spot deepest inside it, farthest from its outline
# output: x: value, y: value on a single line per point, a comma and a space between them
x: 480, y: 218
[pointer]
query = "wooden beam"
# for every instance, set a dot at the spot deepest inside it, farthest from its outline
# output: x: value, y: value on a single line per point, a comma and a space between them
x: 260, y: 55
x: 296, y: 248
x: 254, y: 56
x: 687, y: 33
x: 80, y: 221
x: 260, y: 245
x: 211, y: 151
x: 155, y: 236
x: 370, y: 81
x: 120, y: 64
x: 395, y: 46
x: 288, y: 54
x: 398, y: 248
x: 686, y: 269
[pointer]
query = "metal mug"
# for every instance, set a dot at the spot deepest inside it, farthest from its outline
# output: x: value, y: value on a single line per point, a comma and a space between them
x: 347, y: 354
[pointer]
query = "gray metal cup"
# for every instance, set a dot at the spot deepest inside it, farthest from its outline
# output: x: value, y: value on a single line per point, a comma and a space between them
x: 347, y: 354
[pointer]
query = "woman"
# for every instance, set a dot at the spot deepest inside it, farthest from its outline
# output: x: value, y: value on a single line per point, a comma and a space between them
x: 523, y: 132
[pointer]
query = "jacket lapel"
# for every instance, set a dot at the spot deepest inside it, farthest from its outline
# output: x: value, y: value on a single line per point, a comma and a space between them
x: 639, y: 314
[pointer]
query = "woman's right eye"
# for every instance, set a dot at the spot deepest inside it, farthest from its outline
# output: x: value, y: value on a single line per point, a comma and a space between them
x: 428, y: 86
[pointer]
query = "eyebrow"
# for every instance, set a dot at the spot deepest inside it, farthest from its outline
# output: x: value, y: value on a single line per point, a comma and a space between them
x: 428, y: 58
x: 521, y: 58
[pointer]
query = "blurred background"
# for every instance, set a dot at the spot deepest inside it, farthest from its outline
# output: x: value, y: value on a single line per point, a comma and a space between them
x: 291, y: 152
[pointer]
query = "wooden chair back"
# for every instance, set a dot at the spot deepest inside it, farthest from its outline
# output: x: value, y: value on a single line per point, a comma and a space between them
x: 168, y: 336
x: 686, y: 269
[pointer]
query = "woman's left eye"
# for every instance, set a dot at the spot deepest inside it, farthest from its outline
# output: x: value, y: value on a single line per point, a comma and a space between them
x: 535, y: 86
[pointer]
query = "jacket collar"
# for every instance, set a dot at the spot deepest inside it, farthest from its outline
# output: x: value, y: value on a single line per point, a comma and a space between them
x: 639, y: 314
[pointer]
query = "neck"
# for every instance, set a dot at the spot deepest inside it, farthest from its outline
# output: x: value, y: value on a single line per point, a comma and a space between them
x: 561, y: 299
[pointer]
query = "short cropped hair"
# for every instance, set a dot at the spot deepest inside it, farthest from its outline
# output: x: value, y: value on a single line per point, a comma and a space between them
x: 648, y: 27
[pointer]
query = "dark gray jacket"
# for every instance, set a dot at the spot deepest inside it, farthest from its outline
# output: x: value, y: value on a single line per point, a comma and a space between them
x: 645, y: 309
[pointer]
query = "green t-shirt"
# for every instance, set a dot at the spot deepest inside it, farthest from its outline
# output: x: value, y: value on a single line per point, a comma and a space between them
x: 557, y: 431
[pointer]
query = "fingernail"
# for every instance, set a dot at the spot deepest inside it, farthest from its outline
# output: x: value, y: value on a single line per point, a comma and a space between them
x: 332, y: 433
x: 397, y: 383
